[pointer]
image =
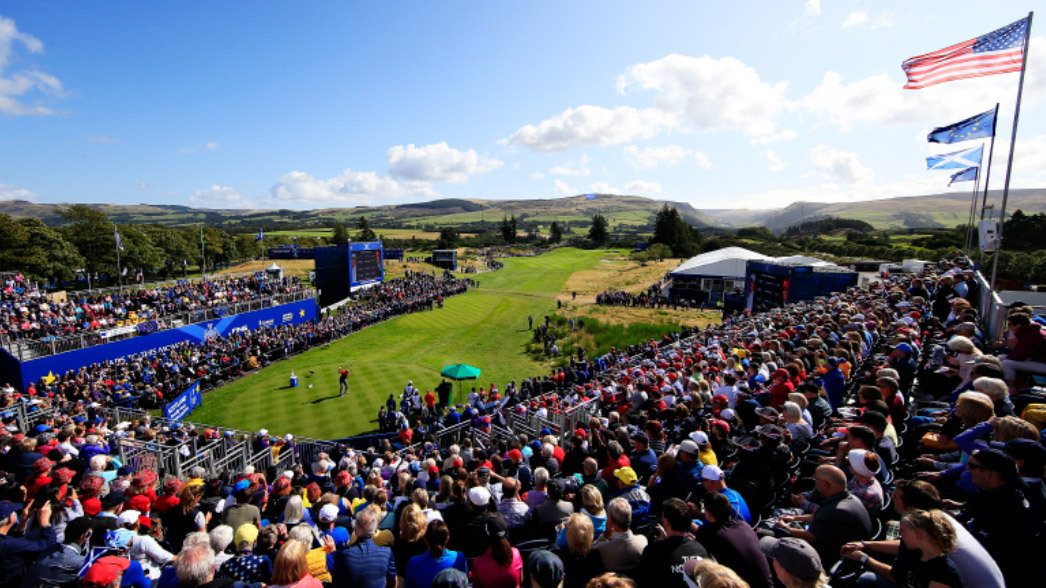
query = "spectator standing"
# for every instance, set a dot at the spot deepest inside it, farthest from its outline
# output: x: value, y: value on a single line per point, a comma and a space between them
x: 662, y: 563
x: 423, y: 568
x: 501, y: 566
x: 363, y: 564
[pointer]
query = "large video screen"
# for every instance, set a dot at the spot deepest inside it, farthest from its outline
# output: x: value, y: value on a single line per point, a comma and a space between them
x: 365, y: 264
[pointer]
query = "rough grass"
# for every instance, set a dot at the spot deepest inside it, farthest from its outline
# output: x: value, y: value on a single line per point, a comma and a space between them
x: 617, y: 272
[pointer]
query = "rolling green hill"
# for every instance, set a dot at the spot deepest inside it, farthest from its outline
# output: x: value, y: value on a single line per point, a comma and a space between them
x: 930, y: 211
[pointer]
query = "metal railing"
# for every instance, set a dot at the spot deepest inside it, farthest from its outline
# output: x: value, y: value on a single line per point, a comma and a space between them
x: 27, y: 349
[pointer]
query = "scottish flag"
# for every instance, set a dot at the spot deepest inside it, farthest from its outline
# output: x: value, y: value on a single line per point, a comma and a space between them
x: 958, y: 160
x: 975, y: 127
x: 966, y: 175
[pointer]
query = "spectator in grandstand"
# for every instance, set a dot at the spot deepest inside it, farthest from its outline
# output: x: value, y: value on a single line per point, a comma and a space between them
x: 592, y: 507
x: 619, y: 548
x: 1026, y: 345
x: 796, y: 563
x: 59, y: 564
x: 714, y: 481
x: 363, y: 563
x: 423, y: 568
x: 513, y: 509
x: 841, y: 517
x: 502, y: 565
x: 545, y: 569
x: 580, y: 562
x: 247, y: 566
x: 291, y: 568
x: 1000, y: 517
x: 545, y: 517
x: 662, y: 561
x: 732, y: 542
x: 411, y: 539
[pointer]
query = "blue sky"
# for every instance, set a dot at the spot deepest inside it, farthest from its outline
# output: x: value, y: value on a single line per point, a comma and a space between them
x: 320, y: 104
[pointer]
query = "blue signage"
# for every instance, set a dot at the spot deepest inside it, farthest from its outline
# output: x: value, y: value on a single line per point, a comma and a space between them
x: 180, y: 407
x: 156, y: 342
x: 394, y: 254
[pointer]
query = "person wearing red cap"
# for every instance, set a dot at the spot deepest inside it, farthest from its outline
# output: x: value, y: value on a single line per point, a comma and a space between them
x: 780, y: 388
x: 107, y: 572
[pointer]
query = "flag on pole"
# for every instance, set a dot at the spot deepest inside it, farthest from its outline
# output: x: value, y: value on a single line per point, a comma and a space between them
x: 976, y: 127
x: 958, y: 160
x: 967, y: 175
x: 260, y: 236
x: 1000, y: 51
x: 119, y: 243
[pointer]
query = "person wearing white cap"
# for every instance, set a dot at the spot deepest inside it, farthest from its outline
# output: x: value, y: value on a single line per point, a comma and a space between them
x: 705, y: 452
x: 714, y: 480
x: 468, y: 533
x: 143, y: 548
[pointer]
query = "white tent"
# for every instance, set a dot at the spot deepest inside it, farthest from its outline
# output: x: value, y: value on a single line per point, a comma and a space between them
x: 727, y: 263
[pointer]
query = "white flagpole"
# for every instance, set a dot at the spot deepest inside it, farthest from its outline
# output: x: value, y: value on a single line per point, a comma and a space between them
x: 119, y: 277
x: 1013, y: 141
x: 991, y: 152
x: 973, y: 204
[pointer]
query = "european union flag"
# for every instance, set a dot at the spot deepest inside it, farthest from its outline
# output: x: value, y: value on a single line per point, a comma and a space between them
x: 975, y: 127
x: 967, y: 175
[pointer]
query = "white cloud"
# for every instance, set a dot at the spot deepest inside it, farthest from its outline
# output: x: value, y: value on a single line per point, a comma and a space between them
x: 602, y: 188
x: 590, y: 125
x: 860, y: 19
x: 710, y: 93
x: 17, y: 84
x: 350, y: 188
x: 437, y: 163
x: 651, y: 157
x: 102, y: 140
x: 882, y: 100
x: 643, y: 187
x: 537, y: 176
x: 839, y: 166
x: 785, y: 135
x: 856, y: 19
x: 812, y: 7
x: 219, y: 197
x: 9, y: 192
x: 208, y: 146
x: 561, y: 187
x: 702, y: 159
x: 144, y: 186
x: 774, y: 161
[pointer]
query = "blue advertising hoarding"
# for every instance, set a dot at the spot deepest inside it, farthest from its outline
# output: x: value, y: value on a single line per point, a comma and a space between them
x: 394, y: 254
x: 366, y: 264
x: 156, y: 342
x: 180, y: 407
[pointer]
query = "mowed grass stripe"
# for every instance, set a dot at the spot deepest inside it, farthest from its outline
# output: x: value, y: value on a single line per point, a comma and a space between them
x: 485, y: 328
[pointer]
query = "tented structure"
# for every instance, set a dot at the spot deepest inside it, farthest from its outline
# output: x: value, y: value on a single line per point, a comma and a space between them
x: 704, y: 279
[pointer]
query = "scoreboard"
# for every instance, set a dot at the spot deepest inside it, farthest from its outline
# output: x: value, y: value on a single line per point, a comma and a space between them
x: 365, y: 264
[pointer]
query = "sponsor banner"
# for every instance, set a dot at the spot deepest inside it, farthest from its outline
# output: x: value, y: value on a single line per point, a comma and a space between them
x: 156, y: 342
x: 181, y: 406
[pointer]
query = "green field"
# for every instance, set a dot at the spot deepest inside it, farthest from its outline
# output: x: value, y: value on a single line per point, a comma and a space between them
x: 486, y: 328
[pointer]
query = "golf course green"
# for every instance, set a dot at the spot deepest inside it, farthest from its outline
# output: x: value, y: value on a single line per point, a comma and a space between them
x: 486, y: 328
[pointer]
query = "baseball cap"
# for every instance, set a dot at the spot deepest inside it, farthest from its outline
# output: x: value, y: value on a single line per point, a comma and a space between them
x: 856, y: 457
x: 712, y: 473
x: 997, y: 461
x: 641, y: 437
x: 1033, y: 454
x: 699, y: 437
x: 106, y: 570
x: 246, y: 534
x: 689, y: 446
x: 113, y: 498
x: 626, y: 475
x: 796, y: 556
x: 545, y: 568
x: 128, y: 517
x: 340, y: 535
x: 7, y: 507
x: 479, y: 496
x: 328, y: 513
x: 903, y: 347
x: 496, y: 527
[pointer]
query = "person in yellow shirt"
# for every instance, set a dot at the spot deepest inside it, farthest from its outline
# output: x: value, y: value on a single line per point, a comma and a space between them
x: 705, y: 453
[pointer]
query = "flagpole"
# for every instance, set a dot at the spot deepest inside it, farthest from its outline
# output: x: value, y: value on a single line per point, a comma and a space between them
x: 991, y: 152
x: 119, y: 277
x: 1013, y: 142
x: 973, y: 205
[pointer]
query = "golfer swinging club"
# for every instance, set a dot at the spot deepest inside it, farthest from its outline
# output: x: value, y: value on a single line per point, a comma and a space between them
x: 343, y: 381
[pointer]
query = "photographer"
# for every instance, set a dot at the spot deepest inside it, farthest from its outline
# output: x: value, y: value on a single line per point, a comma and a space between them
x: 17, y: 553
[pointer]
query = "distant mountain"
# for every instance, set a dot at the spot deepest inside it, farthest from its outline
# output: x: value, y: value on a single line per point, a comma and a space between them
x: 936, y: 210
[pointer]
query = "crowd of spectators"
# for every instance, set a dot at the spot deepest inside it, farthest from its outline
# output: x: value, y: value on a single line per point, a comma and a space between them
x: 147, y: 381
x: 28, y: 312
x: 827, y: 438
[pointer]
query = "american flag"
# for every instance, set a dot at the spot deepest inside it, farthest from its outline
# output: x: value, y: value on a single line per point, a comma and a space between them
x: 1000, y: 51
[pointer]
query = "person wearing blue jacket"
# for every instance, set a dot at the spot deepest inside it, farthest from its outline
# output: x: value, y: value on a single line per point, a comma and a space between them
x: 18, y: 553
x: 834, y: 382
